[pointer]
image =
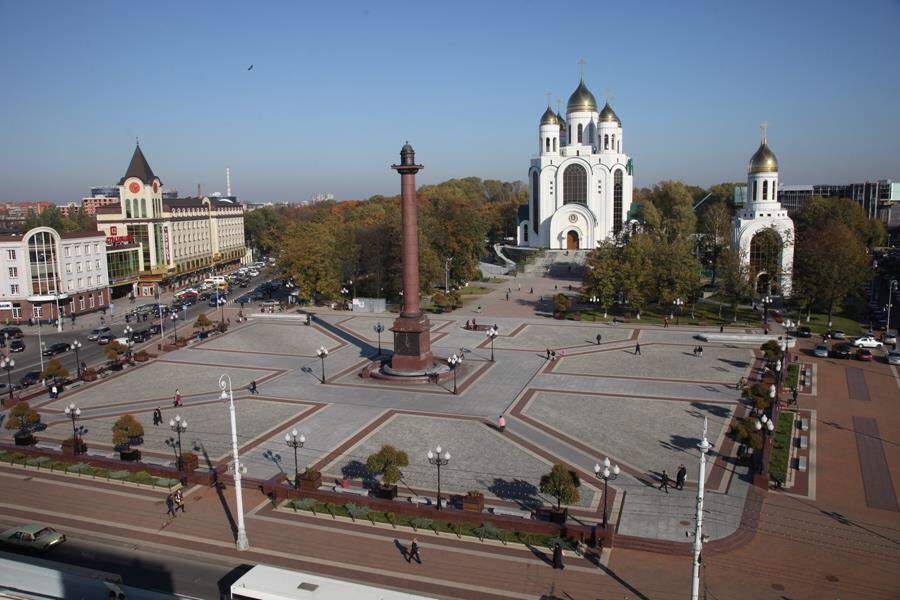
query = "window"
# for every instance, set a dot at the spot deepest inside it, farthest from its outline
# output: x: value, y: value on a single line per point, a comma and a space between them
x: 525, y: 233
x: 606, y: 142
x: 91, y: 301
x: 97, y: 264
x: 617, y: 201
x: 70, y: 285
x: 42, y: 263
x: 87, y: 265
x: 80, y: 283
x: 81, y: 303
x: 14, y: 289
x: 96, y: 248
x: 765, y: 190
x: 144, y: 207
x: 753, y: 195
x: 87, y: 249
x: 580, y: 130
x: 101, y: 298
x: 554, y: 144
x: 68, y: 251
x: 98, y: 280
x: 68, y: 268
x: 17, y: 311
x: 127, y: 208
x: 77, y: 250
x: 78, y: 267
x: 37, y: 311
x: 11, y: 254
x: 548, y: 144
x: 14, y: 271
x: 613, y: 141
x: 575, y: 185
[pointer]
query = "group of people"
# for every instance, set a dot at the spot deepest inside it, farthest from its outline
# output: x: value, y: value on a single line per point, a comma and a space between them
x: 680, y: 478
x: 175, y: 501
x: 551, y: 354
x: 698, y: 351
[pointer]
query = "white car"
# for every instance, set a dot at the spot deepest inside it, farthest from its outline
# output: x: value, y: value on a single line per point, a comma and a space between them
x: 867, y: 341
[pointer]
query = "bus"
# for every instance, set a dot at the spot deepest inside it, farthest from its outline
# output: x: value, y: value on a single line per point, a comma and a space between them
x: 263, y: 582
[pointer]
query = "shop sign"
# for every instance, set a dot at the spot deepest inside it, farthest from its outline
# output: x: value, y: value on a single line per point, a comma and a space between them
x: 6, y: 305
x: 119, y: 239
x: 165, y: 232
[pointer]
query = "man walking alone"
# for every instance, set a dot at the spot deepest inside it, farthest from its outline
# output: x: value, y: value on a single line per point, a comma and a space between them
x: 680, y: 477
x: 664, y: 485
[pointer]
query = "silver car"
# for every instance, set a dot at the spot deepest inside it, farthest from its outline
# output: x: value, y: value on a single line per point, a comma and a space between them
x: 893, y: 358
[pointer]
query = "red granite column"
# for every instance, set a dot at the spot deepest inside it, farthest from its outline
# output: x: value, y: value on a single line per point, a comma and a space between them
x: 412, y: 340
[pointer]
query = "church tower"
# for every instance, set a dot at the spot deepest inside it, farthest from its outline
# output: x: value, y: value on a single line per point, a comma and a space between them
x: 762, y: 224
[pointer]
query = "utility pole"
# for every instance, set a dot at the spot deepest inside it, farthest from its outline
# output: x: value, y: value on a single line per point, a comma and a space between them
x: 891, y: 286
x: 704, y: 446
x: 447, y: 274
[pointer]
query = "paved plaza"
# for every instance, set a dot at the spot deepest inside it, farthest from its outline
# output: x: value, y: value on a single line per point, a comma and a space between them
x: 289, y: 338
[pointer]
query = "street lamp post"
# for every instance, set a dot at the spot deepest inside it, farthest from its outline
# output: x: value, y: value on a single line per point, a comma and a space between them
x: 221, y: 302
x: 296, y: 442
x: 607, y: 472
x: 454, y: 361
x: 766, y: 301
x: 322, y: 352
x: 891, y: 287
x: 378, y: 329
x: 76, y: 345
x: 678, y: 303
x: 241, y: 541
x: 438, y: 460
x: 178, y: 425
x: 127, y: 332
x: 8, y: 364
x: 74, y: 413
x: 491, y: 334
x: 175, y: 325
x: 447, y: 274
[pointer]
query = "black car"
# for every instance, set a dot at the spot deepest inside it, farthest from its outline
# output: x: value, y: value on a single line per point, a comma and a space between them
x: 30, y: 378
x: 141, y: 336
x: 57, y: 348
x: 803, y: 332
x: 17, y: 346
x: 154, y: 329
x: 12, y: 332
x: 844, y: 351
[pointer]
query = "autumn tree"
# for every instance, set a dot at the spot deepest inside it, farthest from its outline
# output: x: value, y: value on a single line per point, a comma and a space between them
x: 127, y: 432
x: 601, y: 275
x: 733, y: 284
x: 714, y: 227
x: 202, y: 323
x: 561, y: 483
x: 22, y: 417
x: 54, y: 370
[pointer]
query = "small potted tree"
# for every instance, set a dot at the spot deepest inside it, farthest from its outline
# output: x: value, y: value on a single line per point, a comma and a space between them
x: 562, y: 484
x: 473, y: 501
x: 202, y: 323
x: 89, y: 374
x: 54, y: 371
x: 141, y: 356
x: 560, y: 306
x: 127, y: 433
x: 387, y: 462
x: 24, y: 420
x: 114, y: 351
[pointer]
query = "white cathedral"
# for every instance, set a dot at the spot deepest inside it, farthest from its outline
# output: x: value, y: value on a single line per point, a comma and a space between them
x: 580, y: 183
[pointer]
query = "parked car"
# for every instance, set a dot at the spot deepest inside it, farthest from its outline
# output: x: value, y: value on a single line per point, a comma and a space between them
x: 95, y: 333
x: 57, y: 348
x: 867, y: 341
x: 30, y: 378
x: 821, y: 351
x: 33, y: 536
x: 141, y: 336
x: 889, y: 338
x: 841, y: 351
x: 893, y: 358
x: 837, y: 334
x: 864, y: 354
x: 17, y: 346
x: 12, y: 332
x: 803, y: 332
x: 105, y: 339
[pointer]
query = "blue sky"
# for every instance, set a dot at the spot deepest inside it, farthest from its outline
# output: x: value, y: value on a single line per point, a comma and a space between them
x: 337, y: 87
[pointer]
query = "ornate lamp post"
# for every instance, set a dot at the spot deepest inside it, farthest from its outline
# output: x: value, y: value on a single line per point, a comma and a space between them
x: 322, y: 352
x: 438, y: 460
x: 241, y: 541
x: 607, y: 472
x: 175, y: 324
x: 129, y: 341
x: 76, y: 345
x: 491, y: 334
x: 378, y: 329
x: 8, y: 364
x: 74, y: 413
x: 766, y: 301
x: 764, y: 424
x: 221, y: 302
x: 678, y: 303
x: 296, y: 442
x: 178, y: 425
x: 454, y: 361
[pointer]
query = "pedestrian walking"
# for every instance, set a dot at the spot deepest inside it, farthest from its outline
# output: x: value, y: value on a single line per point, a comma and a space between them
x: 552, y: 355
x: 414, y: 552
x: 170, y: 505
x: 548, y: 353
x: 253, y: 389
x: 519, y: 287
x: 501, y: 424
x: 558, y: 557
x: 665, y: 322
x: 177, y: 397
x: 794, y: 394
x: 680, y: 477
x: 54, y: 392
x: 599, y: 337
x: 722, y: 328
x: 664, y: 483
x: 179, y: 500
x: 637, y: 350
x: 531, y: 291
x: 507, y: 296
x: 157, y: 416
x: 700, y: 351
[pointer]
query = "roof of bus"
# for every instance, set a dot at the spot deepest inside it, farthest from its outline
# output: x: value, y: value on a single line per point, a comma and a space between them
x: 272, y: 583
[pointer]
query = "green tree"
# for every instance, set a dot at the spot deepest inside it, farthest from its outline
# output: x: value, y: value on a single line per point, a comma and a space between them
x: 714, y: 227
x: 127, y: 432
x: 387, y: 462
x: 114, y: 350
x: 636, y: 272
x: 561, y: 483
x: 261, y: 229
x: 22, y: 417
x: 54, y: 370
x: 202, y: 323
x: 818, y: 212
x: 734, y: 279
x: 602, y: 274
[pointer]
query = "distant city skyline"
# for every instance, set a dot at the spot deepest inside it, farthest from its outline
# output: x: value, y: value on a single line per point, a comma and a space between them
x: 335, y: 90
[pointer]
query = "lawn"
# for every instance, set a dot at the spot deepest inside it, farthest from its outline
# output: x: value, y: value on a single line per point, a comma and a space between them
x: 819, y: 324
x: 792, y: 378
x: 655, y: 315
x: 473, y: 290
x: 478, y: 529
x: 781, y: 446
x: 86, y: 470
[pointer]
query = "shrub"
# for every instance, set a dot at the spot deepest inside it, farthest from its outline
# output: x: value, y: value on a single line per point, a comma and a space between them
x: 54, y: 370
x: 561, y: 483
x: 114, y: 350
x: 127, y: 432
x: 311, y: 473
x: 561, y: 303
x: 387, y: 461
x: 771, y: 349
x: 439, y: 299
x: 89, y: 374
x: 474, y: 494
x: 22, y: 417
x: 202, y: 323
x: 454, y: 300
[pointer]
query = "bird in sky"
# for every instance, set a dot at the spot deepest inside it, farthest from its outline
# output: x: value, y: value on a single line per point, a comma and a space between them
x: 250, y: 68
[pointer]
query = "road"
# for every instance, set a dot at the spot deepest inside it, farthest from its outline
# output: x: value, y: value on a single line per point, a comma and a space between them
x: 93, y: 353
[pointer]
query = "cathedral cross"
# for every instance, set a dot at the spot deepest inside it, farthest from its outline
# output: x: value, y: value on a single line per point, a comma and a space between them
x: 607, y: 94
x: 548, y: 94
x: 763, y: 126
x: 581, y: 63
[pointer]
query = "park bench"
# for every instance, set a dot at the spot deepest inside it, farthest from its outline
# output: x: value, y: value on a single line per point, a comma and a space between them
x: 803, y: 442
x: 801, y: 463
x: 350, y: 490
x: 422, y: 500
x: 510, y: 512
x: 804, y: 425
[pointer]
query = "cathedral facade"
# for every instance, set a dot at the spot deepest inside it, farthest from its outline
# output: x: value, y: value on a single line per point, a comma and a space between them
x: 580, y: 182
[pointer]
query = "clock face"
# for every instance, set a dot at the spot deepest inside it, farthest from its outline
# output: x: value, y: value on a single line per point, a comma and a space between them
x: 135, y: 187
x: 154, y: 187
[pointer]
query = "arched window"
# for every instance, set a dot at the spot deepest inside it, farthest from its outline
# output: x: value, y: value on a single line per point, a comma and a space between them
x: 548, y: 144
x: 606, y: 142
x: 575, y: 185
x: 617, y: 201
x: 144, y: 207
x: 554, y: 144
x: 613, y: 141
x: 580, y: 131
x: 525, y: 233
x: 127, y: 208
x: 765, y: 189
x: 535, y: 201
x: 569, y: 136
x: 619, y: 147
x: 753, y: 195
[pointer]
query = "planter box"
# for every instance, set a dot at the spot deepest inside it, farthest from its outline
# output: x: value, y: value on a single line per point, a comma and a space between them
x: 310, y: 483
x: 141, y: 357
x: 386, y: 493
x: 189, y: 462
x: 473, y: 503
x: 558, y: 517
x: 69, y: 447
x: 87, y: 377
x: 130, y: 455
x: 24, y: 439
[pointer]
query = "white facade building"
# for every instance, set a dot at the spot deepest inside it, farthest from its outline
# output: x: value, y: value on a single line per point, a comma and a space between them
x: 762, y: 213
x: 580, y: 183
x: 46, y: 274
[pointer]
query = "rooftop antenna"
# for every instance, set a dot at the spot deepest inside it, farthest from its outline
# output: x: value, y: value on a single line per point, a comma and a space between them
x: 581, y: 63
x: 228, y: 181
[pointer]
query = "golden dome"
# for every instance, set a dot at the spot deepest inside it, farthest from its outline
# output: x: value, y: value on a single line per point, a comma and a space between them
x: 549, y: 117
x: 581, y: 100
x: 763, y: 161
x: 608, y: 115
x: 562, y: 122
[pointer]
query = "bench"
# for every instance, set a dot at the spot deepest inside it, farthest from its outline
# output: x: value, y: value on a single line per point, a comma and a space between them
x: 804, y: 425
x: 422, y: 500
x: 510, y: 512
x: 47, y: 445
x: 801, y: 463
x: 350, y: 490
x: 803, y: 442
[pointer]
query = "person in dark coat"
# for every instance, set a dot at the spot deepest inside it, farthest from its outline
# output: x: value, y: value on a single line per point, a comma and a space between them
x: 664, y: 481
x: 680, y: 477
x: 157, y: 416
x: 414, y: 552
x: 599, y: 337
x: 558, y: 556
x: 637, y: 350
